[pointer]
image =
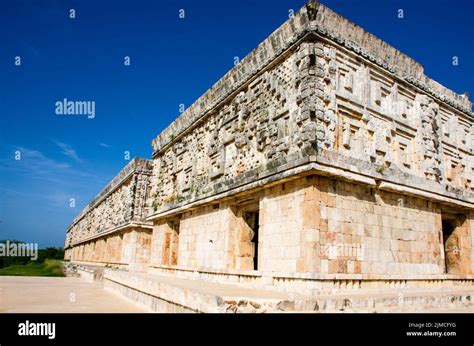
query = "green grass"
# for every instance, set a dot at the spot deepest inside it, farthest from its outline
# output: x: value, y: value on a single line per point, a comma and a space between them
x: 50, y: 267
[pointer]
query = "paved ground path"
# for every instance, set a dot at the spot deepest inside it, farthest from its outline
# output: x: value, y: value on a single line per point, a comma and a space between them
x: 59, y: 294
x: 30, y: 294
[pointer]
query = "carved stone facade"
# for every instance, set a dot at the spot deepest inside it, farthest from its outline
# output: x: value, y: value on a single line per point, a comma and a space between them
x: 324, y: 152
x: 104, y: 230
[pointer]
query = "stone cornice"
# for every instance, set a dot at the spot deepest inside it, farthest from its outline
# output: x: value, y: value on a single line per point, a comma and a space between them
x: 336, y: 166
x: 125, y: 226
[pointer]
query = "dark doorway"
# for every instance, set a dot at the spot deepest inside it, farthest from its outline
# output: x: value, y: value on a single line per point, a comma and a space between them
x: 451, y: 225
x: 448, y: 229
x: 252, y: 220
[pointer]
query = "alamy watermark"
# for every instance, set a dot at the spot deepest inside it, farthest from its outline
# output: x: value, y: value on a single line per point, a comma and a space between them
x: 14, y: 249
x: 66, y: 107
x: 28, y: 328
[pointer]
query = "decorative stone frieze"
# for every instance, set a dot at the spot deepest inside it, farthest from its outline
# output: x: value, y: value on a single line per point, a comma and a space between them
x: 324, y: 138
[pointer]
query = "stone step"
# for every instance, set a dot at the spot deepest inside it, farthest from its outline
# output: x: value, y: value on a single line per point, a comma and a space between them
x: 168, y: 294
x: 403, y: 300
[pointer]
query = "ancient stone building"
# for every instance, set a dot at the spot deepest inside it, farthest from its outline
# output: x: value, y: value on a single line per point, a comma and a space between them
x: 326, y: 159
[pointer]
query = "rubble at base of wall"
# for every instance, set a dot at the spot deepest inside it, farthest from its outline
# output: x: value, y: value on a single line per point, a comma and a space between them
x: 88, y: 273
x: 70, y: 269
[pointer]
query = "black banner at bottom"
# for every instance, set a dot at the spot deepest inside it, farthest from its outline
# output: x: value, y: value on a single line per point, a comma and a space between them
x: 290, y: 329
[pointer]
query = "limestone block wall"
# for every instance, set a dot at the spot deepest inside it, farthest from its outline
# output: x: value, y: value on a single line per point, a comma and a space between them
x: 158, y: 239
x: 136, y: 247
x: 320, y: 225
x: 130, y: 248
x: 203, y: 239
x: 377, y: 232
x: 329, y: 226
x: 282, y: 228
x: 114, y: 248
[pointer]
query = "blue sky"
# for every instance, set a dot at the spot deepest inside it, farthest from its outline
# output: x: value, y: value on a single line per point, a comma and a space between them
x: 173, y: 62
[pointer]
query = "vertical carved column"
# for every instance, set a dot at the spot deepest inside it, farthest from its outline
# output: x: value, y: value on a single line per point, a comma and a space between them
x: 143, y: 180
x: 325, y: 98
x: 427, y: 140
x: 306, y: 132
x: 130, y: 199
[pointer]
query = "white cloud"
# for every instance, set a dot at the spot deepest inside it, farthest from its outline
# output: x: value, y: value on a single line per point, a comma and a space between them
x: 35, y: 161
x: 67, y: 150
x: 34, y: 164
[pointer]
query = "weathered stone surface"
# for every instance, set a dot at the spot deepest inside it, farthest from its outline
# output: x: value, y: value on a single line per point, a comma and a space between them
x: 325, y: 152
